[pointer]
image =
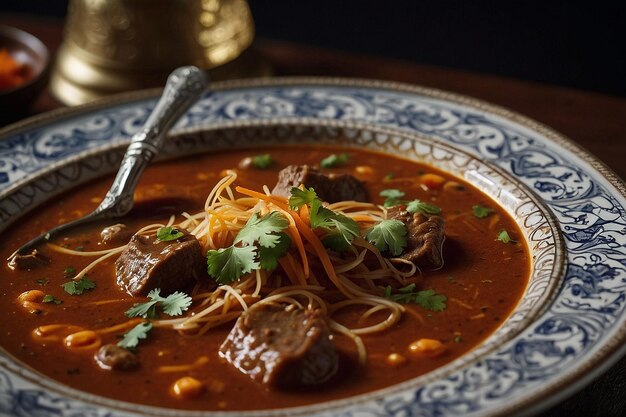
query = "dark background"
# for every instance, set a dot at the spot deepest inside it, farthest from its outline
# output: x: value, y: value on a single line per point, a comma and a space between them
x: 557, y: 42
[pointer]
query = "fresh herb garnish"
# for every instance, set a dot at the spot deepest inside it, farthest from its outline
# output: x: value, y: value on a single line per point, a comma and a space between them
x: 427, y: 299
x: 79, y: 286
x: 388, y: 235
x: 334, y: 160
x: 341, y: 229
x: 268, y: 257
x: 227, y: 265
x: 80, y: 248
x: 504, y: 237
x: 263, y: 229
x: 481, y: 212
x: 48, y: 298
x: 263, y: 161
x: 393, y: 197
x: 264, y: 242
x: 422, y: 207
x: 301, y: 197
x: 172, y: 305
x: 42, y: 281
x: 166, y: 234
x: 131, y: 339
x: 69, y: 272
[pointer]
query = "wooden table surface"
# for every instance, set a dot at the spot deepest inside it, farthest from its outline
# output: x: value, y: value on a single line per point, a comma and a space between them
x: 595, y: 121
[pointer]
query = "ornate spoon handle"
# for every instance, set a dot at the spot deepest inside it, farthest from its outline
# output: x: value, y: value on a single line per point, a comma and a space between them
x: 184, y: 87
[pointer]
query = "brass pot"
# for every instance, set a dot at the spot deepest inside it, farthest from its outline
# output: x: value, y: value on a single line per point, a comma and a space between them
x: 112, y: 46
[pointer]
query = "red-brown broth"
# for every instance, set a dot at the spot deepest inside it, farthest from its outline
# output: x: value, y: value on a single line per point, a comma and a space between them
x: 482, y: 278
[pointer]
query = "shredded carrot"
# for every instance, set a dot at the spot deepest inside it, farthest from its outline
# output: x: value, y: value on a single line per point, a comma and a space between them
x: 297, y: 240
x: 321, y: 253
x: 363, y: 218
x: 296, y: 269
x: 279, y: 201
x: 287, y: 267
x: 305, y: 215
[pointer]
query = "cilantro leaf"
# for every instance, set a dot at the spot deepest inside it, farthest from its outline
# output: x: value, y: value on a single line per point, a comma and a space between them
x: 131, y: 339
x: 334, y: 160
x: 79, y: 286
x: 425, y: 208
x: 229, y: 264
x: 166, y: 234
x: 268, y: 257
x: 335, y: 241
x: 263, y: 230
x: 481, y: 212
x: 175, y: 303
x: 388, y: 235
x: 334, y: 223
x: 301, y: 197
x: 427, y: 299
x: 172, y: 305
x: 48, y: 298
x: 263, y: 161
x: 69, y: 272
x: 393, y: 197
x: 504, y: 237
x: 430, y: 300
x: 42, y: 281
x: 146, y: 310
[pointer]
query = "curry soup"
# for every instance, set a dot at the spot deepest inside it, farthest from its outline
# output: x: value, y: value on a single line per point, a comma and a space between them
x: 441, y: 313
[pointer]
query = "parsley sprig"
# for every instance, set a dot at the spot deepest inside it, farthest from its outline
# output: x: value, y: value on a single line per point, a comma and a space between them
x: 427, y: 299
x: 259, y: 244
x: 172, y: 305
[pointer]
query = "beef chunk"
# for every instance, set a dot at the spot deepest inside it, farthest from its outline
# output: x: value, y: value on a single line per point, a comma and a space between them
x: 116, y: 234
x: 113, y: 357
x: 331, y: 188
x: 149, y: 263
x: 425, y: 236
x: 281, y: 347
x: 32, y: 260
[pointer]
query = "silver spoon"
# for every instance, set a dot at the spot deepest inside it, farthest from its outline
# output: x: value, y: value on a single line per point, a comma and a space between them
x: 184, y: 87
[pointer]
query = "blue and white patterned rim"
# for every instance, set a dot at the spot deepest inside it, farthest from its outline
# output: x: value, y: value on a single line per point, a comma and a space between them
x: 579, y: 335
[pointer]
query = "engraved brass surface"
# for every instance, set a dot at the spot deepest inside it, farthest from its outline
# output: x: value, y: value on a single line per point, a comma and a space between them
x: 112, y: 46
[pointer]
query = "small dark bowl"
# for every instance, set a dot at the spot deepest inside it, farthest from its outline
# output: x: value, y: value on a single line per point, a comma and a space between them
x: 29, y: 50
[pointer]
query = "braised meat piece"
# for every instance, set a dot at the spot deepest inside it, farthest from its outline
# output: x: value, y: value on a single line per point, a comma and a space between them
x: 149, y: 263
x: 281, y: 346
x: 32, y: 260
x: 115, y: 234
x: 425, y: 236
x: 114, y: 357
x: 329, y: 187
